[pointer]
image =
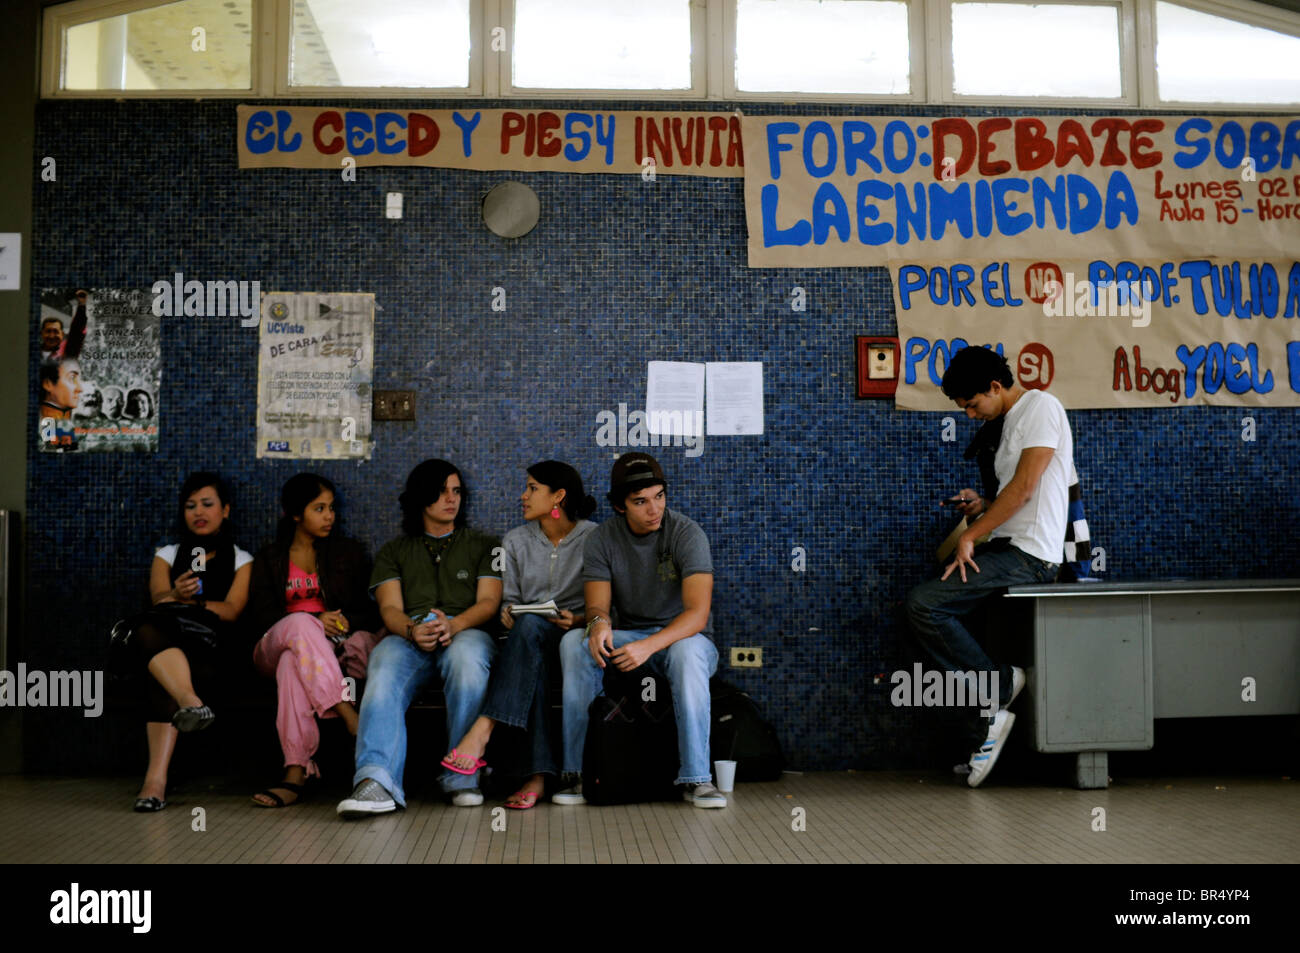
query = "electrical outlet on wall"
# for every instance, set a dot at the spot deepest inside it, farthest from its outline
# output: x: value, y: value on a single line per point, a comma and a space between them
x: 746, y: 658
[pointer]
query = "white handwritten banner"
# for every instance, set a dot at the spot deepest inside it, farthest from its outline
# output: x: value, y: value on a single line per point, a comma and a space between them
x: 537, y: 140
x: 314, y: 373
x: 1100, y: 333
x: 822, y: 192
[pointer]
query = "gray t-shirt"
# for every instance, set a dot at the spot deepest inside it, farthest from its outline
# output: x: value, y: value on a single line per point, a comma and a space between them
x: 646, y: 572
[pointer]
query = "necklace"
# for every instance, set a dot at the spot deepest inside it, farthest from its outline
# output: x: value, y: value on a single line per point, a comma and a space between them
x: 437, y: 549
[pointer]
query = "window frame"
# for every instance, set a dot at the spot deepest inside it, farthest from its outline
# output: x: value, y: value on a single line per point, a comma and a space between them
x: 1241, y: 11
x: 698, y: 89
x: 1128, y: 56
x: 59, y: 18
x: 916, y: 33
x: 713, y: 60
x: 283, y: 40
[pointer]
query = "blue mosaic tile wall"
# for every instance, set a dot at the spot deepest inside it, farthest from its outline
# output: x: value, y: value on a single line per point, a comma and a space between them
x: 619, y: 272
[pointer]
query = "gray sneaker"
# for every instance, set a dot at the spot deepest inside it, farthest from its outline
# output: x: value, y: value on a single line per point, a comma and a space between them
x: 570, y: 795
x: 704, y: 795
x: 468, y: 797
x: 369, y: 797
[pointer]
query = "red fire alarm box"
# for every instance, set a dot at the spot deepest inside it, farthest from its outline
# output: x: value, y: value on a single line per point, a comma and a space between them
x: 877, y: 367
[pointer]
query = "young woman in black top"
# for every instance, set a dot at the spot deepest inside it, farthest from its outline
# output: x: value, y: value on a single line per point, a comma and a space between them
x: 198, y: 586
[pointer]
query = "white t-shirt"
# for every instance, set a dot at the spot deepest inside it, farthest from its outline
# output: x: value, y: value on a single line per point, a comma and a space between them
x: 168, y: 555
x: 1037, y: 419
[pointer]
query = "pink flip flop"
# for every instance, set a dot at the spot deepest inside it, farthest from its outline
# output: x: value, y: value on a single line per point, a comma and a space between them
x: 528, y: 799
x: 447, y: 763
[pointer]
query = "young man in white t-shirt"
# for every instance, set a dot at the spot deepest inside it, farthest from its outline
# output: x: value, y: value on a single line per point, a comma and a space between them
x: 1034, y: 465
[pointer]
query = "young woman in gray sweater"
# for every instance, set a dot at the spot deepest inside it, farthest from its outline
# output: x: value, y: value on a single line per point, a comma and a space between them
x: 543, y: 561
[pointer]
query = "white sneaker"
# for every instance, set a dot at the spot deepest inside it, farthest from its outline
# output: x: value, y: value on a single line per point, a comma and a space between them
x: 1017, y: 683
x: 470, y: 797
x: 571, y: 795
x: 982, y: 761
x: 369, y: 797
x: 704, y: 795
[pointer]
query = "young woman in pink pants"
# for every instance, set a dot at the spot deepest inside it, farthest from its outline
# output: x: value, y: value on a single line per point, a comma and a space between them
x: 308, y: 594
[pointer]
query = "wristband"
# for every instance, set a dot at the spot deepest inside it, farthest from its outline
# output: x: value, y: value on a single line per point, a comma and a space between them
x: 594, y: 620
x: 409, y: 627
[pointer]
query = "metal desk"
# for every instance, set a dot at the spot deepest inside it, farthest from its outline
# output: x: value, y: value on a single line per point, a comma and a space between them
x: 1111, y: 657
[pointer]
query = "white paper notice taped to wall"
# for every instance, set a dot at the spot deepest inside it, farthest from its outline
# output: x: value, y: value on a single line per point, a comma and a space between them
x: 735, y: 392
x: 674, y: 398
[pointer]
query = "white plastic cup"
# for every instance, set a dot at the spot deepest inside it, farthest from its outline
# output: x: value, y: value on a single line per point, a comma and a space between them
x: 725, y: 772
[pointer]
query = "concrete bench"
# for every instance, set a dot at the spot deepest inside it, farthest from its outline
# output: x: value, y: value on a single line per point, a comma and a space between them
x: 1111, y: 657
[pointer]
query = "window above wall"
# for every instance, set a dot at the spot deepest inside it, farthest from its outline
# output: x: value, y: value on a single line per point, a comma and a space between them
x: 613, y: 45
x: 1125, y: 54
x: 1056, y: 50
x: 1202, y: 57
x: 186, y: 45
x: 380, y: 44
x: 840, y: 48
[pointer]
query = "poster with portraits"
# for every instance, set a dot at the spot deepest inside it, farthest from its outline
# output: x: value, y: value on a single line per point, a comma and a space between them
x: 99, y: 371
x: 314, y: 373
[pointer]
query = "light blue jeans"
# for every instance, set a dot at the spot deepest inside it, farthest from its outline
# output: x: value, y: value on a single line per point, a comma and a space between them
x: 687, y: 664
x: 396, y: 673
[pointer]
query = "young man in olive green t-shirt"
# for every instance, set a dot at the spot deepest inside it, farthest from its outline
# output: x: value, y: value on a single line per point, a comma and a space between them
x: 435, y: 585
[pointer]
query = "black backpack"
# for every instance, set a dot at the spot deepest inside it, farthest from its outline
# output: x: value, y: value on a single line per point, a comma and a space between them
x: 739, y: 733
x: 631, y: 749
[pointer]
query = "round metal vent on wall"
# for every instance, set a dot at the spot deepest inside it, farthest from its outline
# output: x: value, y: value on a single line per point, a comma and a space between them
x: 511, y: 209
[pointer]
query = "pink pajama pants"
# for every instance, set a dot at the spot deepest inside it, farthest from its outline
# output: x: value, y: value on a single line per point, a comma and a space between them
x: 308, y: 680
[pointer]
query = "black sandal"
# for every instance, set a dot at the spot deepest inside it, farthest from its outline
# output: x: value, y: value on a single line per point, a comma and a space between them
x: 149, y: 805
x: 298, y: 789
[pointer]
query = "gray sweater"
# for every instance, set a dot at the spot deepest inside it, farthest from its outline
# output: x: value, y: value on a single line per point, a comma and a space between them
x: 536, y: 571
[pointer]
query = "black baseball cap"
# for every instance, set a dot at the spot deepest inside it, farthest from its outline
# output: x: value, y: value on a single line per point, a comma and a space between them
x: 632, y: 472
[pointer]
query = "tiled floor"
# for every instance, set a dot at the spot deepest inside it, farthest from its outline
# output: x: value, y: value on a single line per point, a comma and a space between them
x: 878, y: 817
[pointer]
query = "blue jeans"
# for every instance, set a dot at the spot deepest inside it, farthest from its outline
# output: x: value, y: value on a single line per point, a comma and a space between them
x: 520, y: 679
x: 687, y: 664
x: 935, y: 610
x: 396, y: 673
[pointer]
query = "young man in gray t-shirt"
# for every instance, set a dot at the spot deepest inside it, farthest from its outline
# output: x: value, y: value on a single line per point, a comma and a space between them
x: 652, y: 568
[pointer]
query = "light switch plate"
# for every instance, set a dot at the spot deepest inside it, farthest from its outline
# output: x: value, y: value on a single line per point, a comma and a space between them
x: 393, y: 405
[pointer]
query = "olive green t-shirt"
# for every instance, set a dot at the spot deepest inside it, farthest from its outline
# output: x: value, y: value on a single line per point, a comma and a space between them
x: 450, y: 585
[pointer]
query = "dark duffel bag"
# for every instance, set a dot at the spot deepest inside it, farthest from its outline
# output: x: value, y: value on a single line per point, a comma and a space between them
x: 738, y: 733
x: 631, y: 750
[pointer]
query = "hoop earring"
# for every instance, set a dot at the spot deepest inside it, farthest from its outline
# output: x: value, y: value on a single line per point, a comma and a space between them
x: 555, y: 512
